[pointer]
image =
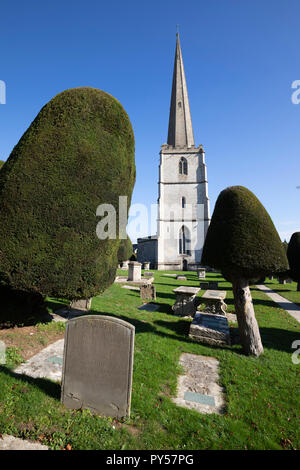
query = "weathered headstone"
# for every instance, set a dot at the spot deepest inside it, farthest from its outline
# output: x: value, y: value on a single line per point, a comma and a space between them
x: 148, y: 274
x: 201, y: 273
x: 185, y: 304
x: 148, y: 291
x: 98, y: 363
x: 82, y: 304
x: 134, y: 271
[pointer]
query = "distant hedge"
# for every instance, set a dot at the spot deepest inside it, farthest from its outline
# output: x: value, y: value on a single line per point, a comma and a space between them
x: 242, y: 240
x: 77, y: 153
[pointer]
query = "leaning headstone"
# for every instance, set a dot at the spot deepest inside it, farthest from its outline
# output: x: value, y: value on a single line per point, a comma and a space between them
x: 148, y: 291
x: 98, y: 363
x: 134, y: 271
x: 82, y: 304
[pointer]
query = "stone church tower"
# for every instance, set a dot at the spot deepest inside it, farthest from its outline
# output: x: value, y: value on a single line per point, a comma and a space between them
x: 183, y: 214
x: 183, y: 203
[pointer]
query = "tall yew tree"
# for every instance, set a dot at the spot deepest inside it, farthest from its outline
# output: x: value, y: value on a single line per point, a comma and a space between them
x: 243, y: 243
x: 293, y: 254
x: 78, y: 153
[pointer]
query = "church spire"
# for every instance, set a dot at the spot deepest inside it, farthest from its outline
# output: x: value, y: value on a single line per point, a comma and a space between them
x: 180, y: 132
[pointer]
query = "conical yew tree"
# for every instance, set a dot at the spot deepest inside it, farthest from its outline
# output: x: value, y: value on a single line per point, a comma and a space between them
x: 78, y: 153
x: 243, y: 243
x: 293, y: 254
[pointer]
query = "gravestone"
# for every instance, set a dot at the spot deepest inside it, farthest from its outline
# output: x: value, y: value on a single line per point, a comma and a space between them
x: 134, y: 271
x: 201, y: 273
x: 82, y: 304
x: 148, y: 274
x: 148, y: 291
x: 146, y: 265
x: 97, y: 367
x: 181, y: 277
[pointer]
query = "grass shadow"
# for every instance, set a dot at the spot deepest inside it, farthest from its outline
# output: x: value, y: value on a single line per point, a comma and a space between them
x: 52, y: 389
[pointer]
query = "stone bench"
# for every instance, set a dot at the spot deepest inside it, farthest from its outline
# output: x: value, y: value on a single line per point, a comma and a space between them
x: 214, y: 302
x: 185, y: 304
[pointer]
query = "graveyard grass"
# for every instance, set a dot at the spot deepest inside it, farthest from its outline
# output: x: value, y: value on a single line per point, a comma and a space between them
x: 262, y: 394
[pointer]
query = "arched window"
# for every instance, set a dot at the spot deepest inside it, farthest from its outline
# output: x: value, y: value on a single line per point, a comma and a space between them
x: 184, y: 241
x: 183, y: 166
x: 183, y: 202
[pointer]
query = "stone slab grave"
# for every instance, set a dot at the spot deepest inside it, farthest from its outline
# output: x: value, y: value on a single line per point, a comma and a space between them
x: 148, y: 291
x: 14, y: 443
x: 98, y: 363
x: 214, y: 301
x: 198, y: 388
x: 181, y: 277
x: 148, y: 274
x: 210, y: 329
x: 185, y: 304
x: 46, y: 364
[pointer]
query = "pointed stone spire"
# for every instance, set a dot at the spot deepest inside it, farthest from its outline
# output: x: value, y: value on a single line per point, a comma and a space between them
x: 180, y: 132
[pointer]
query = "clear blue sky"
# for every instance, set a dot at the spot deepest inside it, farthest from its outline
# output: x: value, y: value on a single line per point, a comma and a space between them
x: 240, y: 58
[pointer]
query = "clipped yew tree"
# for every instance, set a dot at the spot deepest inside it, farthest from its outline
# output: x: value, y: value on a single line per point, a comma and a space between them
x: 293, y: 254
x: 125, y: 250
x: 244, y: 245
x: 78, y: 153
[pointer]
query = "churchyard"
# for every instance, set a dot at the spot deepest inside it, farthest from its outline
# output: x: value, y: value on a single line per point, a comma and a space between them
x: 261, y: 394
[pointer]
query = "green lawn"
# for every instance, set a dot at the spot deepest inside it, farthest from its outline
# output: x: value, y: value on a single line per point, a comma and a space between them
x: 262, y: 394
x: 289, y: 291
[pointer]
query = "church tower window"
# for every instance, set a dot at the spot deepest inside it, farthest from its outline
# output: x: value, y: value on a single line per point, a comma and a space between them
x: 183, y: 166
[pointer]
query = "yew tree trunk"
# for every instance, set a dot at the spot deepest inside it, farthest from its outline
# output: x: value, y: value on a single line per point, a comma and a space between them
x: 248, y: 327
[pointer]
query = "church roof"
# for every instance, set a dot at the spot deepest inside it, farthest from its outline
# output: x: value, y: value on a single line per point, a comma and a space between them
x: 180, y: 132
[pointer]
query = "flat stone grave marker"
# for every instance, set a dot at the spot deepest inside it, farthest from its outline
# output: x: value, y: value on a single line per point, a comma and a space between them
x: 214, y: 301
x: 185, y: 304
x: 148, y: 291
x: 98, y: 363
x: 149, y: 307
x: 198, y: 388
x: 181, y: 277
